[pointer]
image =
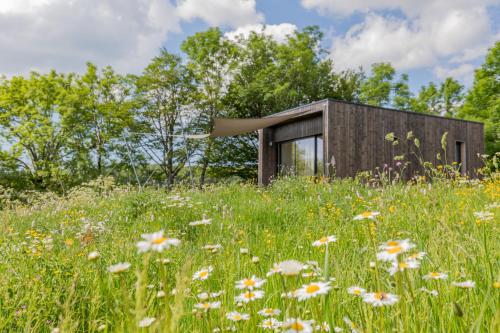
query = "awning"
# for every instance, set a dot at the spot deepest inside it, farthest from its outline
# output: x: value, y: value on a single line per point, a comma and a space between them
x: 231, y: 127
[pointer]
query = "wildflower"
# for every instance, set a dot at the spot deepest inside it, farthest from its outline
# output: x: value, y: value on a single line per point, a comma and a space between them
x: 236, y: 316
x: 380, y: 298
x: 484, y: 216
x: 203, y: 273
x: 496, y: 284
x: 401, y: 266
x: 337, y: 329
x: 290, y: 294
x: 207, y: 305
x: 244, y: 250
x: 274, y: 270
x: 323, y: 327
x: 270, y: 324
x: 356, y: 291
x: 324, y: 240
x: 269, y: 312
x: 352, y: 326
x: 293, y: 325
x: 203, y: 296
x: 156, y: 242
x: 417, y: 256
x: 465, y: 284
x: 249, y: 296
x: 93, y: 255
x: 255, y: 259
x: 312, y: 290
x: 212, y: 248
x: 366, y: 215
x: 391, y: 249
x: 290, y: 267
x: 160, y: 294
x: 55, y: 330
x: 250, y: 283
x: 119, y: 268
x: 435, y: 276
x: 203, y: 221
x: 101, y: 327
x: 431, y: 292
x: 146, y: 322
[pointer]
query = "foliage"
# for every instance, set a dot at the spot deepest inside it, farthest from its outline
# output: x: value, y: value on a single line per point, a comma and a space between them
x: 49, y: 282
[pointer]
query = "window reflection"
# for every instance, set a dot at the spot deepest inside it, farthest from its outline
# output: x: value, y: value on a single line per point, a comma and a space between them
x: 302, y: 157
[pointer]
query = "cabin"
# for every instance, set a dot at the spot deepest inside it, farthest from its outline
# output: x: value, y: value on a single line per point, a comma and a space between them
x: 332, y: 136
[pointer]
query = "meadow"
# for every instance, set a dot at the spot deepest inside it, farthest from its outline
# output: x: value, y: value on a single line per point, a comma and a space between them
x: 298, y: 256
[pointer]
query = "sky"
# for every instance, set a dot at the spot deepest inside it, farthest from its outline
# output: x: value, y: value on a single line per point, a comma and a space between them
x: 428, y: 39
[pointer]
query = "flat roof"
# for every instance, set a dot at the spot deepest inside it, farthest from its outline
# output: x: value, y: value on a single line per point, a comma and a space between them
x: 373, y: 106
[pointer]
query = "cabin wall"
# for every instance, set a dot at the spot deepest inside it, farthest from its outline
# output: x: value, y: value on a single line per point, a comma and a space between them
x: 357, y: 138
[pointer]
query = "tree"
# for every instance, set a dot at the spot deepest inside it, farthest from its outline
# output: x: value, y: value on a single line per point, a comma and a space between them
x: 427, y: 100
x: 212, y: 60
x: 402, y: 96
x: 102, y: 111
x: 164, y: 91
x: 451, y: 92
x: 483, y: 99
x: 33, y: 122
x: 376, y: 89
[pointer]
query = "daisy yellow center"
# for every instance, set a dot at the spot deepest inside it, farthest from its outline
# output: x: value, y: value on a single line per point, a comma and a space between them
x: 435, y: 274
x: 403, y: 265
x: 366, y: 214
x: 249, y: 282
x: 392, y: 243
x: 203, y: 274
x: 206, y: 305
x: 296, y: 326
x: 394, y: 249
x: 380, y: 296
x: 323, y: 239
x: 357, y: 292
x: 312, y: 288
x: 249, y: 295
x: 159, y: 240
x: 237, y: 317
x: 269, y: 311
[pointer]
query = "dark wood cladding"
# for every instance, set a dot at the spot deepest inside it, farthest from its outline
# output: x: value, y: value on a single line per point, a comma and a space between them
x: 298, y: 129
x: 354, y: 136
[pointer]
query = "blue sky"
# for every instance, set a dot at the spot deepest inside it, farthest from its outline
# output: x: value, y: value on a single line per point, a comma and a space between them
x: 428, y: 39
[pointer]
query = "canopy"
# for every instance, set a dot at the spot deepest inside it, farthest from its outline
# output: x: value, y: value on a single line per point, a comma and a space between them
x: 231, y: 127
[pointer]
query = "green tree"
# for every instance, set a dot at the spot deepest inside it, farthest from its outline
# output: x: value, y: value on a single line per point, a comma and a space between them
x: 376, y: 89
x: 164, y: 91
x: 33, y: 123
x: 402, y: 99
x: 102, y: 111
x: 452, y: 96
x: 212, y: 60
x: 483, y: 99
x: 427, y: 100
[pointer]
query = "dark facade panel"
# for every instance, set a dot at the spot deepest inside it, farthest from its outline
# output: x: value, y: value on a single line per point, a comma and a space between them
x: 354, y: 136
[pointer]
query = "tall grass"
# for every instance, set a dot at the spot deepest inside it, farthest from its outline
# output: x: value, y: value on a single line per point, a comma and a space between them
x: 49, y: 284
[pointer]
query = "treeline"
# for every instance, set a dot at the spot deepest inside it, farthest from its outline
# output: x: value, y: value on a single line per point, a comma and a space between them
x: 59, y: 130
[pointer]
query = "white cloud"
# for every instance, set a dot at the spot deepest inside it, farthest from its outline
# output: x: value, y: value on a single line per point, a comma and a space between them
x: 463, y: 72
x: 62, y: 34
x: 278, y: 32
x: 233, y: 13
x: 427, y: 33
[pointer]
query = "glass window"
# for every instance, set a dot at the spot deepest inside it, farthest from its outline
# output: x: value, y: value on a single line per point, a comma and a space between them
x: 303, y: 157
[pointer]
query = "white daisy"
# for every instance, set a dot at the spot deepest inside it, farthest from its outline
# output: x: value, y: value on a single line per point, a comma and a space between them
x: 431, y: 292
x: 249, y: 296
x: 269, y: 312
x: 484, y: 216
x: 93, y: 255
x: 356, y: 291
x: 323, y: 327
x: 391, y: 249
x: 146, y: 322
x: 401, y: 266
x: 324, y: 240
x: 207, y: 305
x: 270, y: 324
x: 312, y: 290
x: 250, y: 283
x: 380, y: 299
x: 156, y: 242
x: 119, y: 268
x: 203, y: 273
x: 290, y: 267
x: 465, y: 284
x: 203, y: 221
x: 274, y: 270
x: 366, y: 215
x: 236, y: 316
x: 294, y: 325
x: 435, y: 276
